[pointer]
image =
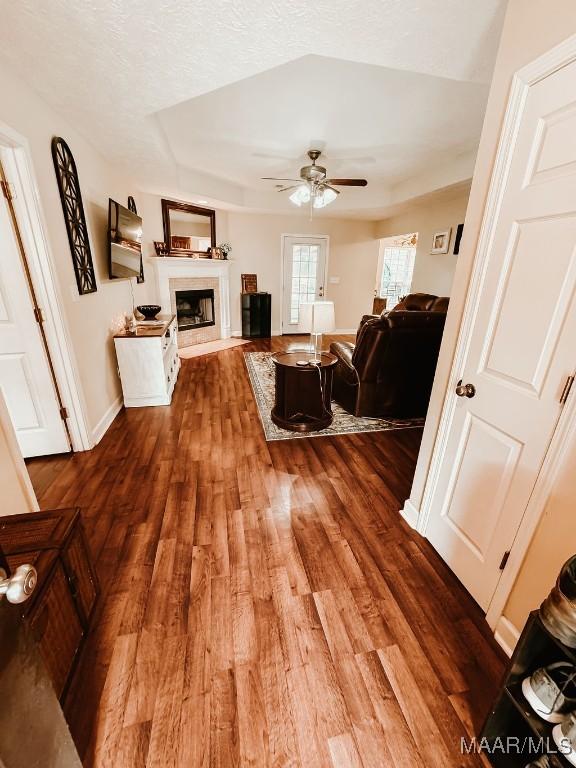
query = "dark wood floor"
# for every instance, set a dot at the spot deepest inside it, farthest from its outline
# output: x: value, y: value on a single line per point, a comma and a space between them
x: 263, y: 603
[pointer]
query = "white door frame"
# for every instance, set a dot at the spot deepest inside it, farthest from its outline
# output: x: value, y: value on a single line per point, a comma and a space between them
x: 17, y: 161
x: 283, y: 237
x: 558, y: 57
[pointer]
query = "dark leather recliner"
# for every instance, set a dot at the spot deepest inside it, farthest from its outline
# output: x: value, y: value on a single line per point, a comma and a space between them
x: 390, y: 370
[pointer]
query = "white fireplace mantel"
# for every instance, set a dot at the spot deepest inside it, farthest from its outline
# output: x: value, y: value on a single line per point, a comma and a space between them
x: 167, y: 267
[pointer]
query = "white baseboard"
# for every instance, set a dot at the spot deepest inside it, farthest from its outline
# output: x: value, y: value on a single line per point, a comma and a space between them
x: 506, y: 635
x: 102, y: 427
x: 410, y: 514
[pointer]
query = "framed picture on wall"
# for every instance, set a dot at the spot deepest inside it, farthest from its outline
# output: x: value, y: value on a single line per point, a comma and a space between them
x: 441, y: 241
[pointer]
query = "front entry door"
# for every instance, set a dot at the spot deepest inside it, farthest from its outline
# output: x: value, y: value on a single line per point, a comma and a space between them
x: 25, y: 377
x: 521, y: 348
x: 304, y: 278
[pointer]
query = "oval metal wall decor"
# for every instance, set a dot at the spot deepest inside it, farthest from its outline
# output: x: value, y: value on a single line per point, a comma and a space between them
x: 73, y: 209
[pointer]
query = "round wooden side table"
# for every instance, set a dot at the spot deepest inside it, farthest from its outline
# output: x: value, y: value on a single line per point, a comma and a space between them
x: 303, y: 392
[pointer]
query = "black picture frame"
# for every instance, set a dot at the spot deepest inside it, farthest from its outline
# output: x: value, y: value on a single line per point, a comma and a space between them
x: 459, y: 231
x: 74, y: 218
x: 175, y: 205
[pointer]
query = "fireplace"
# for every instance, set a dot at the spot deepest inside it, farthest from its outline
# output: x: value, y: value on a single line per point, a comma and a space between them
x: 194, y: 309
x: 180, y: 275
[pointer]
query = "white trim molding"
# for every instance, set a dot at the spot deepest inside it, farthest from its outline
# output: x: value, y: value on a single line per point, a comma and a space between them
x: 560, y: 56
x: 506, y: 635
x: 17, y: 160
x: 106, y: 421
x: 283, y: 237
x: 167, y: 267
x: 410, y: 514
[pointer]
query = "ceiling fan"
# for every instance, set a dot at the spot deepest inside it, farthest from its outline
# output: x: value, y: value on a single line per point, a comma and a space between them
x: 313, y: 186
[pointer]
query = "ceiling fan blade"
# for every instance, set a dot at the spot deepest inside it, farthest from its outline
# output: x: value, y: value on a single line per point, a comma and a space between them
x: 277, y: 178
x: 286, y: 189
x: 327, y: 186
x: 348, y: 182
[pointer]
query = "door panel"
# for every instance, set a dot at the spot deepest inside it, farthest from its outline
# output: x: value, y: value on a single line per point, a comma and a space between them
x: 521, y: 349
x: 471, y: 511
x: 18, y: 390
x: 25, y: 377
x: 304, y: 278
x: 552, y: 293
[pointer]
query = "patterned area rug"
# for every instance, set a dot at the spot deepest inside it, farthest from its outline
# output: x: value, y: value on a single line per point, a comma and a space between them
x: 261, y: 372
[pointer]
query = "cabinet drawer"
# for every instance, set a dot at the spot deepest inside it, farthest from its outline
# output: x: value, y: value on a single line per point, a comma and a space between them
x: 80, y: 576
x: 56, y: 625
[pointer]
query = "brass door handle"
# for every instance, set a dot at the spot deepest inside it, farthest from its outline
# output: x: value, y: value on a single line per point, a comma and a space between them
x: 465, y: 390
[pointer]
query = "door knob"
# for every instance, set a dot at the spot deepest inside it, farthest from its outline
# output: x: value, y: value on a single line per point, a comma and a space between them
x: 20, y: 585
x: 465, y: 390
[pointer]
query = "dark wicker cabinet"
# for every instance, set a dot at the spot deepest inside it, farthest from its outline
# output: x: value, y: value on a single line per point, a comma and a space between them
x: 256, y: 315
x: 60, y: 609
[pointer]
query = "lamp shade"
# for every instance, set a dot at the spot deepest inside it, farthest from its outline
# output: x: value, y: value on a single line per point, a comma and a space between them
x: 325, y: 197
x: 300, y: 195
x: 317, y: 316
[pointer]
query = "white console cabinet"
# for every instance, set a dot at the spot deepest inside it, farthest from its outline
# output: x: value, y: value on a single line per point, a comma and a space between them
x: 148, y: 362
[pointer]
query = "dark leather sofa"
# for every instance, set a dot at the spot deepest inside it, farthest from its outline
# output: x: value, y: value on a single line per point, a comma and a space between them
x: 390, y: 370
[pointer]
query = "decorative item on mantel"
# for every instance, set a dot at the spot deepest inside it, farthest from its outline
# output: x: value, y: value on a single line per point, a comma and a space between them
x: 225, y: 248
x: 73, y: 209
x: 161, y: 248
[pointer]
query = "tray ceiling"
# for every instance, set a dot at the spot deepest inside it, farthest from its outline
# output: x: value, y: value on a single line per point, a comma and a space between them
x: 389, y: 87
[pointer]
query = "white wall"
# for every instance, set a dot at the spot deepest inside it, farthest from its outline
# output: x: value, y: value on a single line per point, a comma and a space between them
x: 88, y: 317
x: 553, y: 543
x: 433, y: 273
x: 256, y: 242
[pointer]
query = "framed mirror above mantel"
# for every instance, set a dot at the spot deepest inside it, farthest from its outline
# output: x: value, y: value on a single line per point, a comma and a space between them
x: 189, y: 230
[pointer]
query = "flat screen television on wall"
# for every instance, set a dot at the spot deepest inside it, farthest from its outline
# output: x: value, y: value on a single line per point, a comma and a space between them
x: 124, y: 241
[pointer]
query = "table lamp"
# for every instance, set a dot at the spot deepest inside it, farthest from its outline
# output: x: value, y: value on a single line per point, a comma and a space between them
x: 318, y: 316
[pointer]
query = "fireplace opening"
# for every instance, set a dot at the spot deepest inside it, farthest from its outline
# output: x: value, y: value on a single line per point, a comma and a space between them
x: 194, y: 309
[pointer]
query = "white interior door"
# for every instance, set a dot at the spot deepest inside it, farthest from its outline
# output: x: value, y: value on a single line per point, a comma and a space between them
x: 522, y: 347
x: 25, y: 377
x: 304, y: 277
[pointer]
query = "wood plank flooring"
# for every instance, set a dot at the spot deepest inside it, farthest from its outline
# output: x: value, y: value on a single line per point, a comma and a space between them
x: 263, y: 603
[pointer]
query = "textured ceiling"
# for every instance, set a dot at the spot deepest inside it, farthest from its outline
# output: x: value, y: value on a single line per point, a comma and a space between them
x: 110, y: 65
x: 385, y: 124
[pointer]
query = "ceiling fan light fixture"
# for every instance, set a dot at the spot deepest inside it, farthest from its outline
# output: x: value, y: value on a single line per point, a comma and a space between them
x: 324, y: 197
x: 301, y: 195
